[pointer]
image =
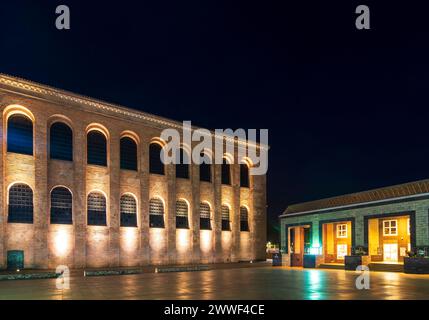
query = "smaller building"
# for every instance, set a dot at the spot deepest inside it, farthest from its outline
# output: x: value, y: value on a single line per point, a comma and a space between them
x: 385, y: 223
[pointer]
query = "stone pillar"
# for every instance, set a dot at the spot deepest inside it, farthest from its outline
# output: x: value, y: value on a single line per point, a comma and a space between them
x: 144, y: 200
x: 195, y: 213
x: 359, y: 231
x: 40, y: 193
x: 235, y: 208
x: 258, y: 217
x: 217, y: 214
x: 170, y: 219
x: 114, y: 195
x: 79, y: 194
x: 2, y: 192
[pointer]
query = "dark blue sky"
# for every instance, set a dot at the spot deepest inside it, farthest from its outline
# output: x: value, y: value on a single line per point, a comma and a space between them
x: 347, y: 110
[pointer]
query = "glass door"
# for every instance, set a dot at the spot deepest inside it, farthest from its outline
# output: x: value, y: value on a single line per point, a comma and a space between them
x: 390, y: 252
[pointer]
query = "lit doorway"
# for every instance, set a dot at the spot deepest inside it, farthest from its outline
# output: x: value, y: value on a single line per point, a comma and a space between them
x: 390, y: 252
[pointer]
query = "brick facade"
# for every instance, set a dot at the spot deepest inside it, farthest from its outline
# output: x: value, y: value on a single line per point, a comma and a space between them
x: 113, y: 245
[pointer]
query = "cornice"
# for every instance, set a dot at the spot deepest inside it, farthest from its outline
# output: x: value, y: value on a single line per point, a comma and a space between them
x: 63, y: 95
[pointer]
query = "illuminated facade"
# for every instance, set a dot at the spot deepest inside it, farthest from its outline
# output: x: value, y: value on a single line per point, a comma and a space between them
x: 384, y: 224
x: 82, y: 185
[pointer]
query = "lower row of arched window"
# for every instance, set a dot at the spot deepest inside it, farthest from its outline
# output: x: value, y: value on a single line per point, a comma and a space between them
x: 20, y: 210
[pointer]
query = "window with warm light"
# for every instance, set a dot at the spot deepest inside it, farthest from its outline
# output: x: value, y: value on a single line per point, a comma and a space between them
x: 225, y: 218
x: 20, y: 206
x: 96, y: 209
x: 156, y: 213
x: 182, y: 214
x: 128, y: 211
x: 205, y: 216
x: 408, y: 227
x: 61, y: 206
x: 390, y: 227
x: 342, y: 230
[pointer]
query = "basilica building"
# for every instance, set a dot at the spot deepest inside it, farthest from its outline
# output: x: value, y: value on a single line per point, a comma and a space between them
x: 82, y: 185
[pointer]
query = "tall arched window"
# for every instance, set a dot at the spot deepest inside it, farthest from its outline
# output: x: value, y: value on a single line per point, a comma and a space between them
x: 205, y: 216
x: 128, y: 211
x: 182, y: 214
x: 20, y: 134
x: 20, y: 206
x: 156, y: 213
x: 225, y: 218
x: 226, y: 172
x: 155, y: 163
x: 182, y: 165
x: 96, y: 209
x: 244, y: 219
x: 244, y: 175
x: 205, y: 168
x: 96, y: 148
x: 61, y: 206
x: 128, y: 154
x: 61, y: 142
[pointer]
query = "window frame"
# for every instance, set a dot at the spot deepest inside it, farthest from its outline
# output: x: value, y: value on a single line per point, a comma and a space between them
x: 93, y: 161
x: 56, y: 218
x: 128, y: 223
x: 94, y: 221
x: 156, y: 220
x: 11, y: 145
x: 153, y: 169
x: 390, y: 227
x: 341, y: 230
x: 126, y: 163
x: 60, y: 155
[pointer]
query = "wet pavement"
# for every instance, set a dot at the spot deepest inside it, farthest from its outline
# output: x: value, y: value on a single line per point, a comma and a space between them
x: 241, y: 283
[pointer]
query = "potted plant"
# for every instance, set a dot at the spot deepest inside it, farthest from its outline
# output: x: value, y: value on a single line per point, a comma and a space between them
x: 358, y: 257
x: 417, y: 262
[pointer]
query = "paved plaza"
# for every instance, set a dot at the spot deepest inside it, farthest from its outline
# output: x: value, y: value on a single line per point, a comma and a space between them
x: 241, y: 283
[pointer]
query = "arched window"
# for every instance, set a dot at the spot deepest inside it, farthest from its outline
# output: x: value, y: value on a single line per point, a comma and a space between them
x: 61, y: 206
x: 244, y: 175
x: 61, y: 142
x: 97, y: 148
x: 128, y: 154
x: 20, y: 134
x: 226, y: 172
x: 155, y: 163
x: 20, y: 208
x: 244, y: 219
x: 205, y: 216
x: 96, y: 209
x: 225, y: 218
x: 128, y: 211
x: 156, y: 213
x: 205, y: 168
x: 182, y: 164
x: 182, y: 214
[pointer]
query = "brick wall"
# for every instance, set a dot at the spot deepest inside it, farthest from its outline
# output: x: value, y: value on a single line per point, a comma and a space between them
x: 78, y: 245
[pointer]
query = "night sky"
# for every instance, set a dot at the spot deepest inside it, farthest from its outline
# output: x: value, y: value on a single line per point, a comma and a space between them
x: 347, y: 110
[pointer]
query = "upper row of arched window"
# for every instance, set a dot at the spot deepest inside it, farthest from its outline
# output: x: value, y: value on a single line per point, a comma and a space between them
x: 20, y: 140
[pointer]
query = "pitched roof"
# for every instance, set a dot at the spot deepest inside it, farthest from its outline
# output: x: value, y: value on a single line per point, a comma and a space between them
x: 380, y: 194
